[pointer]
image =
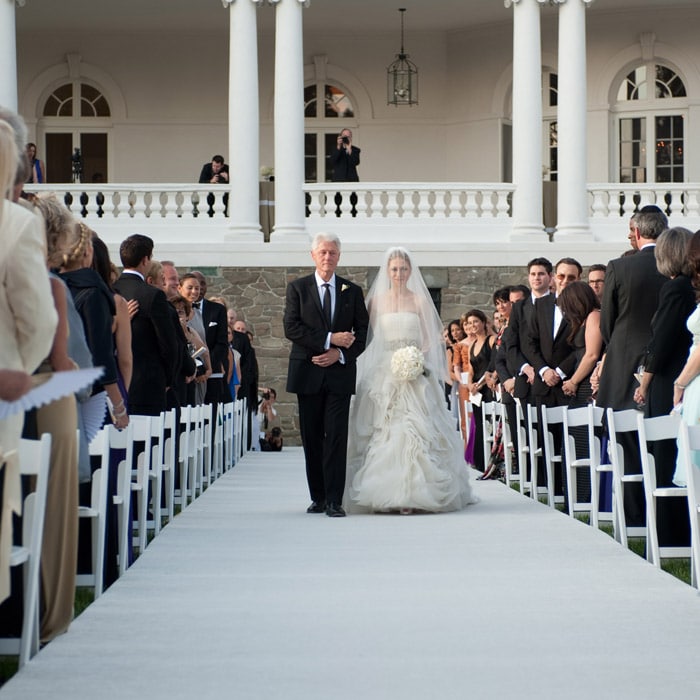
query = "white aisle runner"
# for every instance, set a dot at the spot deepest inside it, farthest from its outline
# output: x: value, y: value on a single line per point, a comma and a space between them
x: 245, y: 596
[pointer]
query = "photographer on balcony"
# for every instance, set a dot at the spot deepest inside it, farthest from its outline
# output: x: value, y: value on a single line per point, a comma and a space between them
x: 215, y: 173
x: 269, y: 421
x: 344, y: 161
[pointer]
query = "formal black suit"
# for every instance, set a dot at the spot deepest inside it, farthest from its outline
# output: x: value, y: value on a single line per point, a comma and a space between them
x: 216, y: 331
x: 630, y: 298
x: 323, y: 393
x: 515, y: 341
x: 153, y: 344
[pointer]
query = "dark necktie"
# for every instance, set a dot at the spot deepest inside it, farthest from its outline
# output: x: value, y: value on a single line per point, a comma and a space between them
x: 327, y: 303
x: 197, y: 304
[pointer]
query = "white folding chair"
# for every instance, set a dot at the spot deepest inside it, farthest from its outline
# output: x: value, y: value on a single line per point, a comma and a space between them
x: 507, y: 439
x: 142, y: 432
x: 196, y: 451
x: 523, y: 454
x: 653, y: 430
x: 228, y: 432
x: 156, y: 471
x: 185, y: 437
x: 624, y: 421
x: 579, y: 418
x: 217, y: 465
x: 96, y: 513
x: 169, y: 461
x: 689, y: 457
x: 33, y: 457
x: 489, y: 420
x: 123, y: 440
x: 535, y: 452
x: 552, y: 453
x: 208, y: 416
x: 599, y: 466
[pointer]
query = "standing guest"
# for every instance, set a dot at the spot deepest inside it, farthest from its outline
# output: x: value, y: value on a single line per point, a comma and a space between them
x: 326, y: 320
x: 189, y: 289
x: 596, y: 279
x: 27, y: 315
x: 172, y: 279
x: 686, y: 387
x: 666, y: 354
x: 480, y: 359
x: 184, y: 385
x: 153, y: 344
x: 455, y: 334
x: 215, y: 324
x: 630, y: 298
x: 38, y: 170
x: 249, y: 382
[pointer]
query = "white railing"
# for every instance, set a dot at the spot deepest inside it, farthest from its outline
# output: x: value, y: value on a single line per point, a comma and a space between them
x: 611, y: 200
x: 409, y: 200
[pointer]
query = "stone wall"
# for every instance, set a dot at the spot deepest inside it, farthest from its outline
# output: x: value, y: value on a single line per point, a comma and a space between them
x: 257, y: 295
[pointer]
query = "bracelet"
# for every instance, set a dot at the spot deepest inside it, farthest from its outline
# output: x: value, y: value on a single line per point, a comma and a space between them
x: 679, y: 386
x: 120, y: 414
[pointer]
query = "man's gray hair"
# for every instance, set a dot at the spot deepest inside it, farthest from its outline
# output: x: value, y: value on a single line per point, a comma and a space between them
x: 321, y: 237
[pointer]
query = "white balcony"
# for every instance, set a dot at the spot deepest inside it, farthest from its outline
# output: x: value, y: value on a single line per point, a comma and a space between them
x: 448, y: 223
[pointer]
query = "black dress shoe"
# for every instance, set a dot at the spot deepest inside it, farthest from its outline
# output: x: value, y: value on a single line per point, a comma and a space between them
x: 316, y: 507
x: 335, y: 510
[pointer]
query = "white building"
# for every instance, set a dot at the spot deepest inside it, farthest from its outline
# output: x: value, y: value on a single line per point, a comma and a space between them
x: 601, y: 96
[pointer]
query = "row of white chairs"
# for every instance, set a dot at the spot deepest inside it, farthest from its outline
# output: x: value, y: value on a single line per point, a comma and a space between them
x: 145, y: 474
x: 531, y: 453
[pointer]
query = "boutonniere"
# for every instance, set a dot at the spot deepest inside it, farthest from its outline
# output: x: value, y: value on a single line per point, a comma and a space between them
x: 344, y: 287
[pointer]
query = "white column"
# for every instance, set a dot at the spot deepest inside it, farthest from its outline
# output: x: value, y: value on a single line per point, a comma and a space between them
x: 243, y: 121
x: 8, y: 55
x: 289, y: 120
x: 527, y: 118
x: 572, y: 195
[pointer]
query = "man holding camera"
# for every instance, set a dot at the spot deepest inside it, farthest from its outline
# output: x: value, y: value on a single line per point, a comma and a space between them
x: 270, y: 431
x: 215, y: 173
x: 345, y: 158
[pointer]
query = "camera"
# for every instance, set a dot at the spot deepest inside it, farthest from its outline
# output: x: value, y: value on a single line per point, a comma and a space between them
x: 345, y: 140
x: 266, y: 395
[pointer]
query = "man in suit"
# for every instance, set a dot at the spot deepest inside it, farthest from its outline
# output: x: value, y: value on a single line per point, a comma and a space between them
x: 630, y: 298
x: 551, y: 354
x: 153, y: 340
x: 215, y: 328
x: 326, y: 320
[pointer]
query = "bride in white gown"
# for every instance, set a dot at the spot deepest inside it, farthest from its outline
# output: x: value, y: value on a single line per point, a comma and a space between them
x: 404, y: 453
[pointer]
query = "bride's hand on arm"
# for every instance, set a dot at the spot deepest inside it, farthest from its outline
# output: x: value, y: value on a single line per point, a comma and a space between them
x: 342, y: 339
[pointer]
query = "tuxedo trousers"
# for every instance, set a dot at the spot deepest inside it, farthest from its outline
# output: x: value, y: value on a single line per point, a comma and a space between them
x: 323, y: 424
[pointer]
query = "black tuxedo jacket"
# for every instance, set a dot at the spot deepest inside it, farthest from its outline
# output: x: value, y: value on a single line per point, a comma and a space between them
x: 306, y: 327
x: 153, y: 344
x: 216, y: 330
x: 547, y: 350
x: 630, y: 298
x: 515, y: 341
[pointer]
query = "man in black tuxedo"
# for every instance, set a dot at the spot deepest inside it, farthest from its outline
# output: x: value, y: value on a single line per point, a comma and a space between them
x: 153, y: 340
x: 630, y: 298
x: 326, y: 320
x: 216, y: 330
x: 551, y: 354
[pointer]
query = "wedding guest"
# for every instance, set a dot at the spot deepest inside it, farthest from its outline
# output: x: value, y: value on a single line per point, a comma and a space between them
x: 172, y: 279
x: 596, y: 279
x: 666, y: 354
x: 462, y: 371
x: 28, y: 317
x: 190, y: 290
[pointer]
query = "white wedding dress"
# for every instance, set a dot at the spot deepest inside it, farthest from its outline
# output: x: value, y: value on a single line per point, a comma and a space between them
x: 404, y: 451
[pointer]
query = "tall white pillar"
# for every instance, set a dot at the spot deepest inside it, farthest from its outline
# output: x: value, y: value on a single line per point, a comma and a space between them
x: 243, y: 120
x: 527, y: 118
x: 289, y: 119
x: 572, y: 195
x: 8, y: 55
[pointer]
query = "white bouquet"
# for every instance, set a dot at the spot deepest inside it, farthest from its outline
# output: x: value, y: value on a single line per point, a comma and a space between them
x: 407, y: 363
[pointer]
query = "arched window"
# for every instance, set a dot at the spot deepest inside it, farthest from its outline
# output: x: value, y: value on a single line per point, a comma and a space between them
x: 327, y: 109
x: 76, y: 122
x: 651, y: 110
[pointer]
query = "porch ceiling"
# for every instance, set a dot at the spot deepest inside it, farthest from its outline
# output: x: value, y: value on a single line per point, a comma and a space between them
x: 348, y: 15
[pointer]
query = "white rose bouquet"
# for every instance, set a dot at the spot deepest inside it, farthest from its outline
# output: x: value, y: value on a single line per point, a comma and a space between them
x: 407, y: 363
